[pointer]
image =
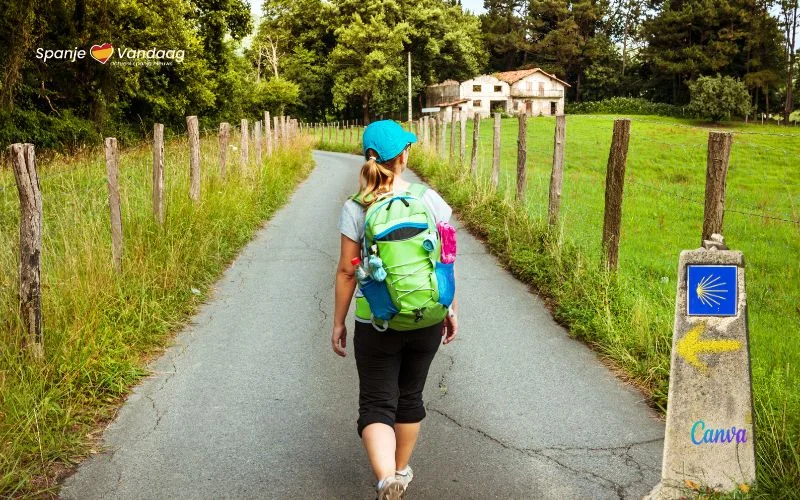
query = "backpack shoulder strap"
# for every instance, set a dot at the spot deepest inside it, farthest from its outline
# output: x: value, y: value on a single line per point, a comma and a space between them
x: 357, y: 198
x: 417, y: 189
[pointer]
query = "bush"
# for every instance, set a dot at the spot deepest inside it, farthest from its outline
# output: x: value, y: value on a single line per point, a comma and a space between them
x: 718, y: 97
x: 46, y: 130
x: 624, y: 105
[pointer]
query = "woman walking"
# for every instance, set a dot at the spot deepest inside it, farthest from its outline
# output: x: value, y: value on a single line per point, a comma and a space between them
x: 397, y: 333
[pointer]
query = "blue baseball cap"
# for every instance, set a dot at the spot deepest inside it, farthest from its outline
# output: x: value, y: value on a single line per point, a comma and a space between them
x: 387, y: 138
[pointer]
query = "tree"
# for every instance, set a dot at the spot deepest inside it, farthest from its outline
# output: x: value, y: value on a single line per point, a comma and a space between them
x: 502, y: 25
x: 302, y: 31
x: 275, y: 94
x: 367, y: 62
x: 689, y: 38
x: 719, y: 97
x: 789, y: 23
x: 566, y: 37
x: 624, y: 23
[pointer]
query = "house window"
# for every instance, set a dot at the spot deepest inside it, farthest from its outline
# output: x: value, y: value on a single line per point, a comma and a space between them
x: 476, y: 88
x: 498, y: 88
x: 476, y: 103
x: 529, y: 86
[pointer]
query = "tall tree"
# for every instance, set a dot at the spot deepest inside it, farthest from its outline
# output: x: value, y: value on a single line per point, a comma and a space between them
x: 301, y: 33
x: 789, y: 23
x: 690, y: 38
x: 367, y: 61
x: 567, y: 38
x: 505, y: 33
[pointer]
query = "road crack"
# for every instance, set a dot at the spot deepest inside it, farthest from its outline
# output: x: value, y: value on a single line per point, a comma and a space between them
x: 623, y: 452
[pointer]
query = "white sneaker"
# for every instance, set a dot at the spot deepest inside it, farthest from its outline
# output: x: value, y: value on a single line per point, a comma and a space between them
x: 390, y: 488
x: 405, y: 475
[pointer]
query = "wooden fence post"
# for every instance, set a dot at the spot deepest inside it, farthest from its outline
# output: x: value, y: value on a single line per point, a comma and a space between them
x: 615, y: 180
x: 476, y: 133
x: 112, y: 172
x: 268, y: 133
x: 557, y: 176
x: 496, y: 151
x: 719, y: 152
x: 443, y: 136
x: 194, y: 158
x: 453, y: 137
x: 276, y: 126
x: 462, y: 157
x: 257, y: 133
x: 243, y: 147
x: 23, y: 162
x: 224, y: 137
x: 158, y: 173
x: 434, y: 135
x: 522, y: 158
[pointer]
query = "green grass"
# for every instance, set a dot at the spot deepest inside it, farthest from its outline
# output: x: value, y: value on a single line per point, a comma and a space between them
x: 629, y: 319
x: 100, y: 327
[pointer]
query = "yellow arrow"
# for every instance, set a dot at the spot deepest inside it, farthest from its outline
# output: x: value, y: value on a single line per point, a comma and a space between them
x: 690, y: 345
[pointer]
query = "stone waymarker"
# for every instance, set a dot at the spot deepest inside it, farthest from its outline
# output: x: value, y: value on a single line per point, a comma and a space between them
x: 709, y: 439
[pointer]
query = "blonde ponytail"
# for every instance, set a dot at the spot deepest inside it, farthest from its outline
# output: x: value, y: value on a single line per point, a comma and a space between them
x: 376, y: 179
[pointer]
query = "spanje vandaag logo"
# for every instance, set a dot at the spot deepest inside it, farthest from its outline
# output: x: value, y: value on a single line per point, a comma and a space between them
x: 104, y: 53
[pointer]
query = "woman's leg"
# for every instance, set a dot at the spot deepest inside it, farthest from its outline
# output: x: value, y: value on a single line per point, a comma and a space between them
x: 378, y: 357
x: 418, y: 353
x: 379, y: 441
x: 406, y: 436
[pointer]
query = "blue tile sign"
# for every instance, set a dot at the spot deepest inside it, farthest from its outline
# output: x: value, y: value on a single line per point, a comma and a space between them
x: 712, y: 290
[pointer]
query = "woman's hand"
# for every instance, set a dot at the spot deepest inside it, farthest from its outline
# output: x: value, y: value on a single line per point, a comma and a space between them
x: 450, y: 328
x: 339, y: 339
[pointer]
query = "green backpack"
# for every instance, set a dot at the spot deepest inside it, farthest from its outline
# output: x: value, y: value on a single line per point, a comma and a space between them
x: 417, y: 289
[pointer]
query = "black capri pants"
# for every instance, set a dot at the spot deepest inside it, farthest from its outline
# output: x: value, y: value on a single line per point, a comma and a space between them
x: 392, y: 369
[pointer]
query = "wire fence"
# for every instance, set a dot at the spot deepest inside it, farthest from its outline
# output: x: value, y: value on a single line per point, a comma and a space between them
x: 58, y: 166
x: 664, y: 199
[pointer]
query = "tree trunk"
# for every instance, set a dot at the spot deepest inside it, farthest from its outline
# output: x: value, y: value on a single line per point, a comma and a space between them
x: 365, y: 106
x: 787, y: 108
x: 258, y: 67
x: 625, y: 38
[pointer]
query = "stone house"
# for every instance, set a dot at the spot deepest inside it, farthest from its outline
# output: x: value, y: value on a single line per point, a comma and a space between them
x: 531, y: 90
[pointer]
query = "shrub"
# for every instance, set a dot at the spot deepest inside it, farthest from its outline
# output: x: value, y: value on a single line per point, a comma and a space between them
x: 624, y: 105
x: 718, y: 97
x: 46, y: 130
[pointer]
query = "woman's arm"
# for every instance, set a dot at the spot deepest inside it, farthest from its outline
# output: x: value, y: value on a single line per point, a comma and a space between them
x: 344, y: 288
x: 450, y: 327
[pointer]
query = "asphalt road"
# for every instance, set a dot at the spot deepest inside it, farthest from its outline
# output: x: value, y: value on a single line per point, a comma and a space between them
x: 251, y: 402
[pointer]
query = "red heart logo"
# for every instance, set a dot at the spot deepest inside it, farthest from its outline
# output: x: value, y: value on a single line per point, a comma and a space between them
x: 102, y: 53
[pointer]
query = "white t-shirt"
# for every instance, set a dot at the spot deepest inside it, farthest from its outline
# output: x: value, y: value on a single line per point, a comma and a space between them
x: 351, y: 222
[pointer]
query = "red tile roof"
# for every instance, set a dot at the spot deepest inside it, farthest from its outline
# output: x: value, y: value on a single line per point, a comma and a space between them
x: 512, y: 77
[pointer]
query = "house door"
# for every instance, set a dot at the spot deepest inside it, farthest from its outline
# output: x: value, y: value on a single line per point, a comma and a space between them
x: 528, y: 107
x: 553, y: 108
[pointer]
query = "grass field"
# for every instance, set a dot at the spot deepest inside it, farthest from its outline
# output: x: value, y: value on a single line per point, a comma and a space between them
x: 629, y: 320
x: 100, y: 327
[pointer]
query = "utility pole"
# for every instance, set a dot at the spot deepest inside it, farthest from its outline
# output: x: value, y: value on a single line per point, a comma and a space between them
x: 409, y: 86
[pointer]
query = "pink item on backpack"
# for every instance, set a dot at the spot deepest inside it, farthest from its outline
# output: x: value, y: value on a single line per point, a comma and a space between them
x: 448, y: 235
